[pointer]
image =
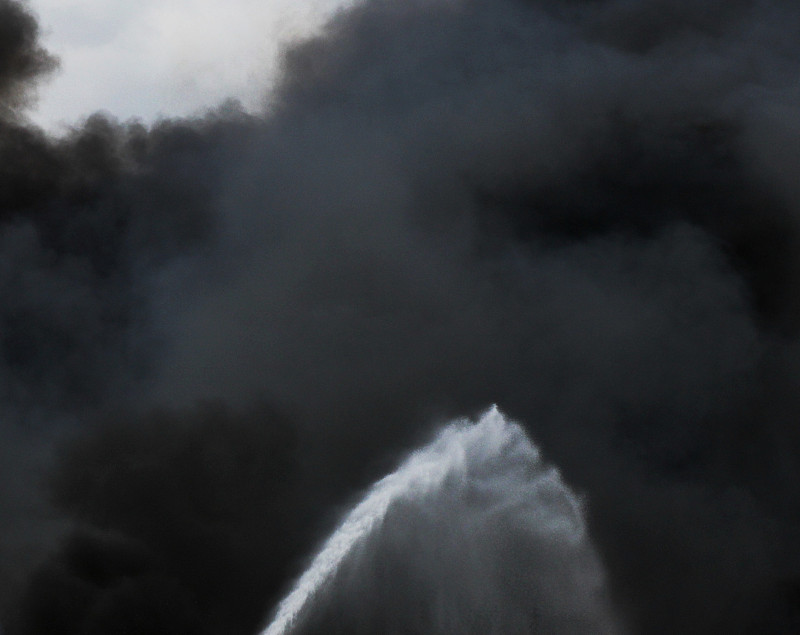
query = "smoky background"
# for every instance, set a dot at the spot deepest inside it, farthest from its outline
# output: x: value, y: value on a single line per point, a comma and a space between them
x: 216, y: 331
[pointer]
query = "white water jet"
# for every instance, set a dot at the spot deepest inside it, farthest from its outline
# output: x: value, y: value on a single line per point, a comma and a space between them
x: 471, y: 534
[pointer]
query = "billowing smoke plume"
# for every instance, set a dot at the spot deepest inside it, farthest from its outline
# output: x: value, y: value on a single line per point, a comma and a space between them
x: 216, y: 333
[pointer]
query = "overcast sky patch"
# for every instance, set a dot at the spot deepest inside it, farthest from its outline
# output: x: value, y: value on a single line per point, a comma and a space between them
x: 174, y: 57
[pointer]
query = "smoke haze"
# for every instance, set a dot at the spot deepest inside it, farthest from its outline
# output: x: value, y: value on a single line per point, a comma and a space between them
x: 217, y: 332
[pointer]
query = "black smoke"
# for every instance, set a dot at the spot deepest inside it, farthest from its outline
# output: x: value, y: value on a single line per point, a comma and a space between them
x: 215, y: 331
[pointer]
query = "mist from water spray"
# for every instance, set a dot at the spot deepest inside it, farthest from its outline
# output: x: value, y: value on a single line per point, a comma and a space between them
x: 487, y: 480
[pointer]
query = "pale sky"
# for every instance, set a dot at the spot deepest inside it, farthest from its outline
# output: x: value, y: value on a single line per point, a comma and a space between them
x: 164, y: 57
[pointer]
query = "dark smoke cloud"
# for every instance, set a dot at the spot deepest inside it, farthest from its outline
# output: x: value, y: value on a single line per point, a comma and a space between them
x: 21, y: 57
x: 179, y: 509
x: 583, y: 211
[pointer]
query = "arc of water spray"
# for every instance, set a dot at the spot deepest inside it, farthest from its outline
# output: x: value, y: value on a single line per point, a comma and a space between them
x: 422, y: 472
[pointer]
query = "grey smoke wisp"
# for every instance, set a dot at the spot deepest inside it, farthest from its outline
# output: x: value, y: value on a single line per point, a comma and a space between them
x: 217, y: 333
